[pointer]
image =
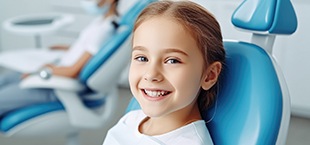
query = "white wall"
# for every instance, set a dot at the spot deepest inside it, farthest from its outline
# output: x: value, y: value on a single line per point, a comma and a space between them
x: 293, y: 53
x: 13, y: 8
x: 10, y: 8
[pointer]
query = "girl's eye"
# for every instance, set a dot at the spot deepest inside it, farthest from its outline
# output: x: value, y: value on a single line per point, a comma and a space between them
x: 141, y: 59
x: 173, y: 61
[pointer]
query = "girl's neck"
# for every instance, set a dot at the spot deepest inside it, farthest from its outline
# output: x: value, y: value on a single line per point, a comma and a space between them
x: 161, y: 125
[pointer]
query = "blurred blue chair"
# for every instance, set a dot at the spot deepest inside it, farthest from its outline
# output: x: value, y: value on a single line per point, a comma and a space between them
x: 69, y: 115
x: 253, y: 105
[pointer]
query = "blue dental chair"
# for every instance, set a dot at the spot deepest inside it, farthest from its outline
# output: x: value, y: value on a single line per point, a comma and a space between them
x: 70, y: 114
x: 253, y: 105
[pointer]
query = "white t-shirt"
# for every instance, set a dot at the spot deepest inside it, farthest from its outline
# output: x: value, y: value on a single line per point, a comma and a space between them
x: 126, y: 132
x: 90, y: 40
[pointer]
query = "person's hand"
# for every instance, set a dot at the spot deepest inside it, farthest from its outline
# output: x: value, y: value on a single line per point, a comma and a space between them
x: 25, y: 75
x: 59, y: 47
x: 48, y: 65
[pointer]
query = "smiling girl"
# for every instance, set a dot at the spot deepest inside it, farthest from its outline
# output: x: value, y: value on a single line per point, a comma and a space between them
x: 177, y: 57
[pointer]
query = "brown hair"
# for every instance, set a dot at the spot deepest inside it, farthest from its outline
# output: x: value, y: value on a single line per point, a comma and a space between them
x: 203, y: 27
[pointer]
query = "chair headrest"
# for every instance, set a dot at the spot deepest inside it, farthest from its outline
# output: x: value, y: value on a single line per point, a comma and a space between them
x: 266, y: 16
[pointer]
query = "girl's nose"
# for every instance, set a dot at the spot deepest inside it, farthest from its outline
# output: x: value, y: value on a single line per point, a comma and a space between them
x: 152, y: 79
x: 153, y: 75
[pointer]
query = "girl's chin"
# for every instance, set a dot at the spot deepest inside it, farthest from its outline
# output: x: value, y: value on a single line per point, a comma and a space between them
x: 152, y: 112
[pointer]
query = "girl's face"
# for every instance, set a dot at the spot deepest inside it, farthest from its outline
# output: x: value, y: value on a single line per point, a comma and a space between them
x: 167, y: 68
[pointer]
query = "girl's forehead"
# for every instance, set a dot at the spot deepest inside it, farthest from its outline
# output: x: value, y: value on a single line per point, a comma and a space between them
x: 160, y: 28
x: 163, y: 19
x: 167, y: 21
x: 158, y: 33
x: 163, y: 24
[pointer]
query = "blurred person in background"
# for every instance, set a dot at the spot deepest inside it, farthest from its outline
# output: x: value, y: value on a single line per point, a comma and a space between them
x: 70, y: 64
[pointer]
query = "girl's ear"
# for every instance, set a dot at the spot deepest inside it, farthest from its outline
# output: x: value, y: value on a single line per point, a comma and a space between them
x: 211, y: 75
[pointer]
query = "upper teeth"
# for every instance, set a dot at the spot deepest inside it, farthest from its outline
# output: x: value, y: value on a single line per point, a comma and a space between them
x: 155, y: 93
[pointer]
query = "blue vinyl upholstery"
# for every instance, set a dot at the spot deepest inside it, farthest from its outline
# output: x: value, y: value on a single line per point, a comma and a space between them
x: 272, y: 16
x: 248, y: 109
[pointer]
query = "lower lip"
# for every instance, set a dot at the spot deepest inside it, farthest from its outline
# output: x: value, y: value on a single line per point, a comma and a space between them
x: 155, y: 99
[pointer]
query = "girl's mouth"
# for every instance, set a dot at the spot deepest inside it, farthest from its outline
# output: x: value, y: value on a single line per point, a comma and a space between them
x: 155, y: 93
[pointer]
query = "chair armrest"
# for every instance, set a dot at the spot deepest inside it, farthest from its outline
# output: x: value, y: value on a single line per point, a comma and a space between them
x: 55, y: 82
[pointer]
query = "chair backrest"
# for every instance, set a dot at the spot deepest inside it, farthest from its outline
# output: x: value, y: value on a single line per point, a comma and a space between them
x: 249, y: 106
x: 252, y: 106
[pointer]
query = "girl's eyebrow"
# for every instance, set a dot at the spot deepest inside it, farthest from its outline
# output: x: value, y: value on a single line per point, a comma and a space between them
x: 174, y: 50
x: 167, y: 50
x: 140, y: 48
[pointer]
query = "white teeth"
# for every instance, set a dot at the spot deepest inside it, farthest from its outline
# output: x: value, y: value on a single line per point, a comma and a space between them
x: 155, y: 93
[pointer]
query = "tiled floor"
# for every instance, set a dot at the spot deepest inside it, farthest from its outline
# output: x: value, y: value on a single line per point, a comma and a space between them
x: 299, y: 131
